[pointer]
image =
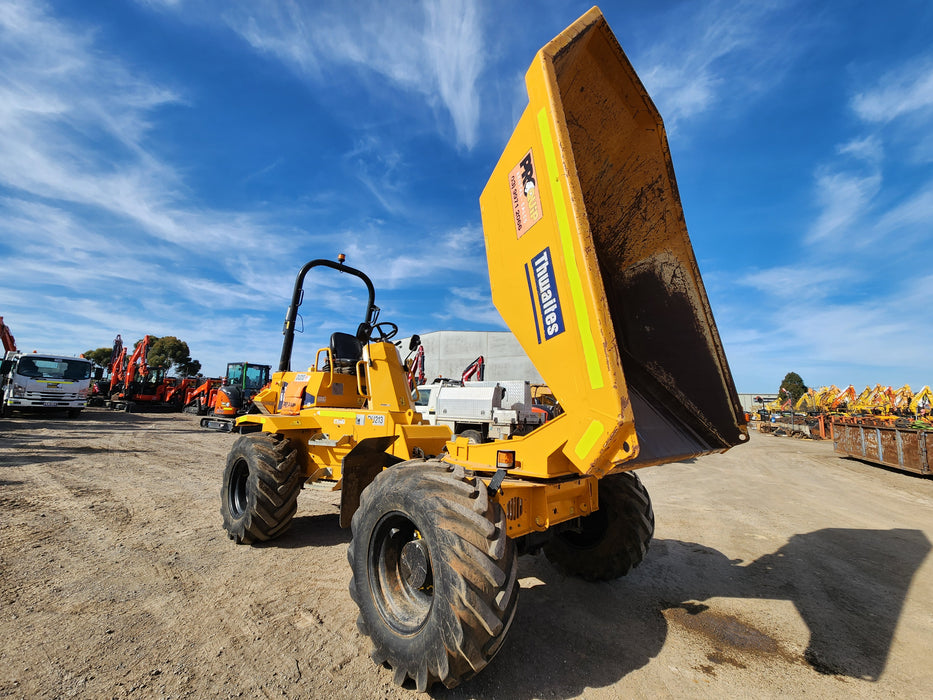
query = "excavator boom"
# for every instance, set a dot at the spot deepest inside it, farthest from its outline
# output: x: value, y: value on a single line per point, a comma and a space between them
x: 6, y: 337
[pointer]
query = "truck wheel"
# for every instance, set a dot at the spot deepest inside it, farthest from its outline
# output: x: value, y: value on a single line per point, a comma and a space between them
x: 474, y: 436
x: 611, y: 541
x: 434, y: 574
x: 259, y: 495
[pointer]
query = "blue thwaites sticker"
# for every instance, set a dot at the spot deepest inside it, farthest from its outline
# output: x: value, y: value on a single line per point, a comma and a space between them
x: 544, y: 297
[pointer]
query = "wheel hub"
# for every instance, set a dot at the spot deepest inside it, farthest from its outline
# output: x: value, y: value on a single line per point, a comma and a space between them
x: 400, y: 573
x: 238, y: 498
x: 414, y: 563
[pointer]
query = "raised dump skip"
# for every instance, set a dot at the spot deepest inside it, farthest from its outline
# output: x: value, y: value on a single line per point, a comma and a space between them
x: 610, y: 305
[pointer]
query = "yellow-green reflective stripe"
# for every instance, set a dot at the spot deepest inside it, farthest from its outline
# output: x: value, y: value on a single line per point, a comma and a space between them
x: 570, y: 258
x: 592, y: 434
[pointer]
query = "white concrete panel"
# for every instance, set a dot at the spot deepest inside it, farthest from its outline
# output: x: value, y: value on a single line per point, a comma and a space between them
x: 448, y: 353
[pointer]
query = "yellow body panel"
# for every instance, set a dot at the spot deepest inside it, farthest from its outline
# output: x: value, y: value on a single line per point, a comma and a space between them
x: 325, y: 413
x: 534, y: 507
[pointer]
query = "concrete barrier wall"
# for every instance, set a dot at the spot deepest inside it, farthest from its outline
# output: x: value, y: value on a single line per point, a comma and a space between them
x: 447, y: 354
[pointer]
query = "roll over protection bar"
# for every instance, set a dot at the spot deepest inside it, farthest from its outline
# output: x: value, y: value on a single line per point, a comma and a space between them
x: 372, y: 311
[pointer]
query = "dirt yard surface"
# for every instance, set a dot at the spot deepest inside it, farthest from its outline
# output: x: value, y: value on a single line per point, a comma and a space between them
x: 776, y: 569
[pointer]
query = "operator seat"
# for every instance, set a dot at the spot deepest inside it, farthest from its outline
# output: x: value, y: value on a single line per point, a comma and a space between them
x: 346, y: 350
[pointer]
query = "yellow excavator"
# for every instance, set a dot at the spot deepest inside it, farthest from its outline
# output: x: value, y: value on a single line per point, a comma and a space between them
x: 865, y: 401
x: 592, y: 269
x: 901, y: 399
x: 807, y: 402
x: 843, y: 401
x: 921, y: 402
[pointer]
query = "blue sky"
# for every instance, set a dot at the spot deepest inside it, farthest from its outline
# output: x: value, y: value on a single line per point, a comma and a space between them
x: 166, y: 166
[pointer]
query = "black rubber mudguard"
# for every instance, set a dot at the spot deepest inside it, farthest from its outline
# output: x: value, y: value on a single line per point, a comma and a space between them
x: 358, y: 470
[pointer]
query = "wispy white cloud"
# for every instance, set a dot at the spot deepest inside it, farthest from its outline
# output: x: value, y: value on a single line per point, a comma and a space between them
x: 377, y: 166
x: 472, y: 304
x: 454, y: 48
x: 398, y: 261
x: 811, y: 282
x: 905, y: 90
x: 912, y: 216
x: 430, y: 49
x: 865, y: 338
x: 74, y: 127
x: 868, y: 149
x: 715, y: 53
x: 844, y: 199
x: 854, y: 201
x: 871, y: 333
x: 854, y: 309
x: 97, y: 230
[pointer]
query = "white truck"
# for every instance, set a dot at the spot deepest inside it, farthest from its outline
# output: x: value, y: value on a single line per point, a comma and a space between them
x: 41, y: 382
x: 480, y: 411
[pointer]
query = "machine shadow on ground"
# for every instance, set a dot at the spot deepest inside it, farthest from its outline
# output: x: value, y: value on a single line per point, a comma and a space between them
x: 321, y: 530
x: 884, y: 467
x: 849, y: 587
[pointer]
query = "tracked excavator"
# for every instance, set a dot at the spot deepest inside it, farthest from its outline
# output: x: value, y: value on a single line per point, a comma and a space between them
x: 242, y: 381
x: 921, y: 402
x: 592, y: 269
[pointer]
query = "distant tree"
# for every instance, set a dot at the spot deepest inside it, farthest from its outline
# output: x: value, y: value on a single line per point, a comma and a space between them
x: 190, y: 369
x: 152, y: 339
x: 169, y: 352
x: 101, y: 356
x: 792, y: 385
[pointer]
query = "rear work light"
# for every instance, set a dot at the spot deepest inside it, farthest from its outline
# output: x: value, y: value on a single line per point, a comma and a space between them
x: 505, y: 459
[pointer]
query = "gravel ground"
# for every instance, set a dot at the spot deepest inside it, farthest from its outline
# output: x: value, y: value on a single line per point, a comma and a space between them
x: 776, y: 569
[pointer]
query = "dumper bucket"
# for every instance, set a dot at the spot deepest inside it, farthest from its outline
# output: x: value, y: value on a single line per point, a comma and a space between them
x: 591, y: 266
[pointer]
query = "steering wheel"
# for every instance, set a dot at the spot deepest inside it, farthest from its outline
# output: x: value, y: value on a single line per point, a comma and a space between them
x: 388, y: 333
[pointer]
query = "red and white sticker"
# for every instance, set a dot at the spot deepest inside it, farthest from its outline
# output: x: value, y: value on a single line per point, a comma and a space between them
x: 526, y: 204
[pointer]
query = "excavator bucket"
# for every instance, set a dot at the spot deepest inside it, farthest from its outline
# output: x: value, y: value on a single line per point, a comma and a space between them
x: 591, y: 266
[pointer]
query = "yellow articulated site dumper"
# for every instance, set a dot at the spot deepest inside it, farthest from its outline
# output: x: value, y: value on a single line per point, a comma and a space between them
x: 592, y: 269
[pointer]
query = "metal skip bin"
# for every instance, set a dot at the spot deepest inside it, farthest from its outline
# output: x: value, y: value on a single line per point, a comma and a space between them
x: 591, y: 266
x: 901, y: 448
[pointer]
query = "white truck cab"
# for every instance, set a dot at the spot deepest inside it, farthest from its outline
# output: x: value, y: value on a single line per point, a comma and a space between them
x: 42, y: 382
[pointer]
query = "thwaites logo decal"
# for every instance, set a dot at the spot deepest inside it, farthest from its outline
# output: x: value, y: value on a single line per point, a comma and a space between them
x: 526, y: 205
x: 545, y: 301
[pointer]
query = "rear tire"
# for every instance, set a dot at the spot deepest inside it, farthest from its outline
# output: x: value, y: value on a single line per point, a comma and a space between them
x: 613, y: 540
x: 434, y: 574
x: 474, y: 436
x: 262, y: 480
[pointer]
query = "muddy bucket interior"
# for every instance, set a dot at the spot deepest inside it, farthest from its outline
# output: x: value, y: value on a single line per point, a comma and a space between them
x: 683, y: 396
